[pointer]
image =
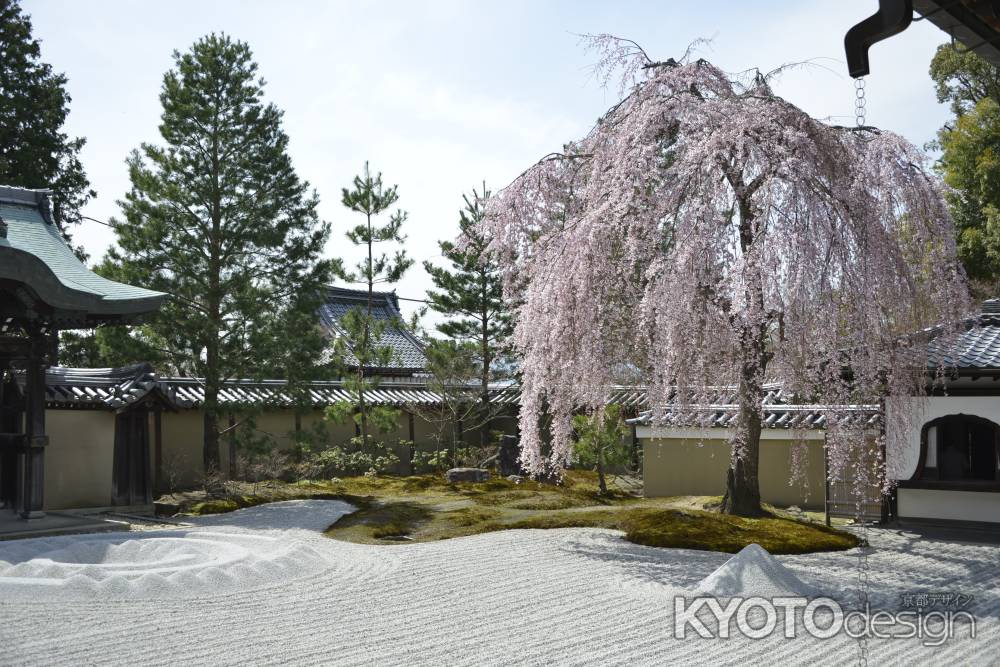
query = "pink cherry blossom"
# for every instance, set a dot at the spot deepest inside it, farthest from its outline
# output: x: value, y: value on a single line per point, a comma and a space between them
x: 708, y: 232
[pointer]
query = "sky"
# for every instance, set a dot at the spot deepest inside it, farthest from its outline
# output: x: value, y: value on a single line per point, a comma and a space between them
x: 443, y: 95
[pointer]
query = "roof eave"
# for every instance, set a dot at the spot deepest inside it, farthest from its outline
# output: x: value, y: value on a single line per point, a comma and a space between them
x: 41, y: 283
x: 962, y: 25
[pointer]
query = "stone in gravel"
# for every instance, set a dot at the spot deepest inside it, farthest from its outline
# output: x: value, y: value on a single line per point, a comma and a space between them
x: 467, y: 475
x: 753, y: 572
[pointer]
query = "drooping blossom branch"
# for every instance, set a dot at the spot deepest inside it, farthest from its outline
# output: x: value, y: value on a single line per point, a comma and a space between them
x: 709, y: 232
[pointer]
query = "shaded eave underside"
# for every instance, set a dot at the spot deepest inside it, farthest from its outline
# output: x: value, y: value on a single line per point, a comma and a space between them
x: 972, y: 29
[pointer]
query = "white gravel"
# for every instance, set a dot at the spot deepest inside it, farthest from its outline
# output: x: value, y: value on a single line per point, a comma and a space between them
x: 262, y: 586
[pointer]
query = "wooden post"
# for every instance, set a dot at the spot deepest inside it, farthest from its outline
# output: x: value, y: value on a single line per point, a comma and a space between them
x: 635, y: 450
x: 826, y: 482
x: 31, y: 462
x: 413, y: 441
x: 232, y: 446
x: 158, y: 450
x: 11, y: 427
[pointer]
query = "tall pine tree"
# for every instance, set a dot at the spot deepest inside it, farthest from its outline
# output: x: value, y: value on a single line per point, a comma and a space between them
x: 34, y: 150
x: 360, y: 339
x: 470, y: 294
x: 218, y: 218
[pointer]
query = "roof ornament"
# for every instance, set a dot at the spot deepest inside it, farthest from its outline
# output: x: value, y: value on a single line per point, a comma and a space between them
x: 45, y: 207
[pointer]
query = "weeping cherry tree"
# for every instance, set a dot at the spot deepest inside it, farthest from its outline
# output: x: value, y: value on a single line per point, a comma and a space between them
x: 707, y: 232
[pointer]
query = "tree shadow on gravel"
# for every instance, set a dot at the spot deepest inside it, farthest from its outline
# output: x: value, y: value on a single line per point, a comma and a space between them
x: 683, y: 568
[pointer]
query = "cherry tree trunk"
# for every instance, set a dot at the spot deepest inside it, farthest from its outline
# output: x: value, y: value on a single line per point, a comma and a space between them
x: 742, y: 484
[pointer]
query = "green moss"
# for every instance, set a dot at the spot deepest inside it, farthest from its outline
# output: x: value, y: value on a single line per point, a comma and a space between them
x: 214, y: 507
x: 427, y: 507
x: 710, y: 531
x: 470, y: 516
x: 384, y: 520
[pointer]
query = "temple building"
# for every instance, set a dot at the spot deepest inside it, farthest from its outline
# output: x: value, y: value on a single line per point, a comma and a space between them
x: 44, y: 288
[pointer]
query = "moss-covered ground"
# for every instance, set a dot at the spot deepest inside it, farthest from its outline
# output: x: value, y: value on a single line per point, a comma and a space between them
x: 426, y: 508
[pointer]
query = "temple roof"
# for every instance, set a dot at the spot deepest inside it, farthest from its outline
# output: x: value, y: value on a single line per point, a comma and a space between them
x: 34, y: 254
x: 975, y: 348
x: 408, y: 351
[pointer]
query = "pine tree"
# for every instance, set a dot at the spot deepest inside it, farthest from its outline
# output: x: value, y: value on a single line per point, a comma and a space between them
x: 218, y: 218
x: 471, y: 296
x: 359, y: 346
x: 34, y: 151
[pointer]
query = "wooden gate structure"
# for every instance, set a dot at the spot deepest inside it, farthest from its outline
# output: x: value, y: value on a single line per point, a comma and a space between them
x: 43, y: 288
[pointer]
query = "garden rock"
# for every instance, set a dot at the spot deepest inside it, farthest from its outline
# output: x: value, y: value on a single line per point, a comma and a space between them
x: 467, y: 475
x: 161, y: 508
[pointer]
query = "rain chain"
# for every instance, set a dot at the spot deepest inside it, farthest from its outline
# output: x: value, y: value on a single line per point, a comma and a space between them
x: 864, y: 474
x: 859, y: 102
x: 864, y: 568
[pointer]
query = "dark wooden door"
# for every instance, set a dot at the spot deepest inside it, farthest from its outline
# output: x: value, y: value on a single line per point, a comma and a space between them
x: 130, y: 478
x: 11, y: 423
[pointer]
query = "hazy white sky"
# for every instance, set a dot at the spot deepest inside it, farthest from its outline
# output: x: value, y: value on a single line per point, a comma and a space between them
x: 441, y: 95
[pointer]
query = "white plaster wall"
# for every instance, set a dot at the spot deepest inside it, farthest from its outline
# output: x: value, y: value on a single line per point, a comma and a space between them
x: 902, y: 461
x: 79, y: 458
x: 956, y: 505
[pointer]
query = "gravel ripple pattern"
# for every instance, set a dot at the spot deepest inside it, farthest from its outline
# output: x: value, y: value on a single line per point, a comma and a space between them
x: 263, y: 586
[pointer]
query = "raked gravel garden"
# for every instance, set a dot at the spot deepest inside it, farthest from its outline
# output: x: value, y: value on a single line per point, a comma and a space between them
x: 264, y: 585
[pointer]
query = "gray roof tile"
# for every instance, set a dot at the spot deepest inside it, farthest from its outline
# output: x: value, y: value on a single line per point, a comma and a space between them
x: 975, y: 347
x: 103, y: 388
x: 408, y: 352
x: 34, y: 252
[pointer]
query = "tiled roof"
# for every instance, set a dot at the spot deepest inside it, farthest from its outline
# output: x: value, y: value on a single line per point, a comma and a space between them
x: 33, y: 252
x: 274, y: 393
x: 103, y: 388
x: 774, y: 417
x: 716, y: 407
x: 976, y: 347
x: 408, y: 352
x: 115, y: 388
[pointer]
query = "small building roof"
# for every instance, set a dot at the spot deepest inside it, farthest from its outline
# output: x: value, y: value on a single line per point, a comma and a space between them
x: 34, y: 255
x: 408, y: 351
x: 105, y: 388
